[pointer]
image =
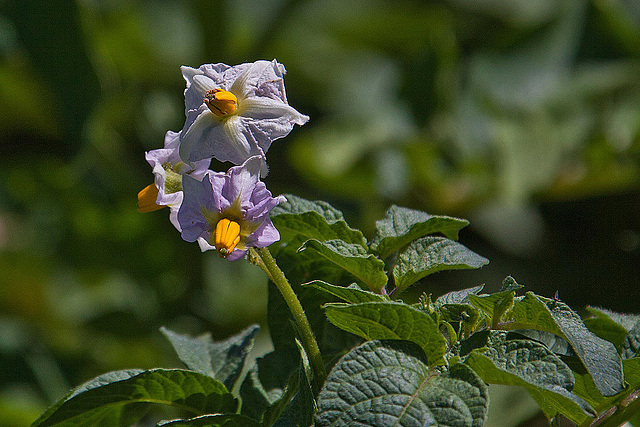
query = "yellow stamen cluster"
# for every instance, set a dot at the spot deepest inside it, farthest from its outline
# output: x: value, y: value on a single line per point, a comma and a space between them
x: 221, y: 102
x: 147, y: 199
x: 227, y: 237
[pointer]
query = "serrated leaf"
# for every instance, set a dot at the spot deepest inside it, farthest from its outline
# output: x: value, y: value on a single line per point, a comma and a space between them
x: 351, y: 294
x: 431, y: 254
x: 540, y: 372
x: 389, y: 383
x: 95, y: 400
x: 401, y: 226
x: 390, y: 320
x: 364, y: 267
x: 458, y: 297
x: 217, y: 420
x: 221, y: 360
x: 599, y: 357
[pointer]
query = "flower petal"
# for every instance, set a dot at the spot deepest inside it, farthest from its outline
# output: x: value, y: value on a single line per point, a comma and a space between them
x: 261, y: 108
x: 197, y: 195
x: 242, y: 181
x: 264, y: 235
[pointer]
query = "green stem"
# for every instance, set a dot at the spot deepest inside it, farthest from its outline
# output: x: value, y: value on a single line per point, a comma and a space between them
x: 263, y: 259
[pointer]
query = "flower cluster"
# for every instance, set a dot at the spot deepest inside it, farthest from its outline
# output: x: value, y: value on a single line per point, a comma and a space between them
x: 233, y: 114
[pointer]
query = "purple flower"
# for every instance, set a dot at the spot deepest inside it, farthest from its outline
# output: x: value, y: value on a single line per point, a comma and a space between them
x: 234, y: 113
x: 168, y: 169
x: 229, y: 212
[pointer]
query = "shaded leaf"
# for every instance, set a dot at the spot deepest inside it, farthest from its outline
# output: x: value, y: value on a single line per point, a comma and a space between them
x: 217, y: 420
x: 390, y: 320
x: 269, y: 383
x: 401, y: 226
x: 366, y: 268
x: 221, y: 360
x: 431, y: 254
x: 389, y: 383
x: 97, y: 399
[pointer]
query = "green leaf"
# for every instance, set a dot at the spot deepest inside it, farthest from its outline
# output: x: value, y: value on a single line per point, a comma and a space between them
x: 431, y: 254
x: 401, y: 226
x: 298, y: 205
x: 222, y: 360
x: 365, y: 267
x: 351, y: 294
x: 389, y: 383
x: 313, y: 220
x: 218, y: 420
x: 494, y: 306
x: 631, y: 343
x: 458, y: 297
x: 268, y: 381
x: 605, y: 327
x: 276, y: 391
x: 510, y: 284
x: 623, y: 330
x: 390, y: 320
x: 97, y: 399
x: 540, y: 372
x: 599, y: 357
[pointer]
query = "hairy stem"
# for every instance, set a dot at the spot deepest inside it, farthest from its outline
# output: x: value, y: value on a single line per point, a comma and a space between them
x: 263, y: 259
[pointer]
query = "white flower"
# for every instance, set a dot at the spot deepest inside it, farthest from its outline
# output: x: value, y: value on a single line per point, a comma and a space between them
x: 234, y: 113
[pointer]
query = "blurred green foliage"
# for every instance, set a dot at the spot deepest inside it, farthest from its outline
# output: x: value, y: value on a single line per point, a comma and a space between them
x: 523, y: 117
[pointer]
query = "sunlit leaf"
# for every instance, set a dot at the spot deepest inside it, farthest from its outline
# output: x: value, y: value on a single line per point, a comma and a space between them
x: 389, y: 383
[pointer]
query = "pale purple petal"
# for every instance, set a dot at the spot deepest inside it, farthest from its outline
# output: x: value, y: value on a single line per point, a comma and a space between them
x: 224, y: 139
x: 236, y: 254
x: 173, y: 214
x: 263, y: 114
x: 197, y: 195
x: 242, y: 181
x: 261, y: 108
x: 265, y: 235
